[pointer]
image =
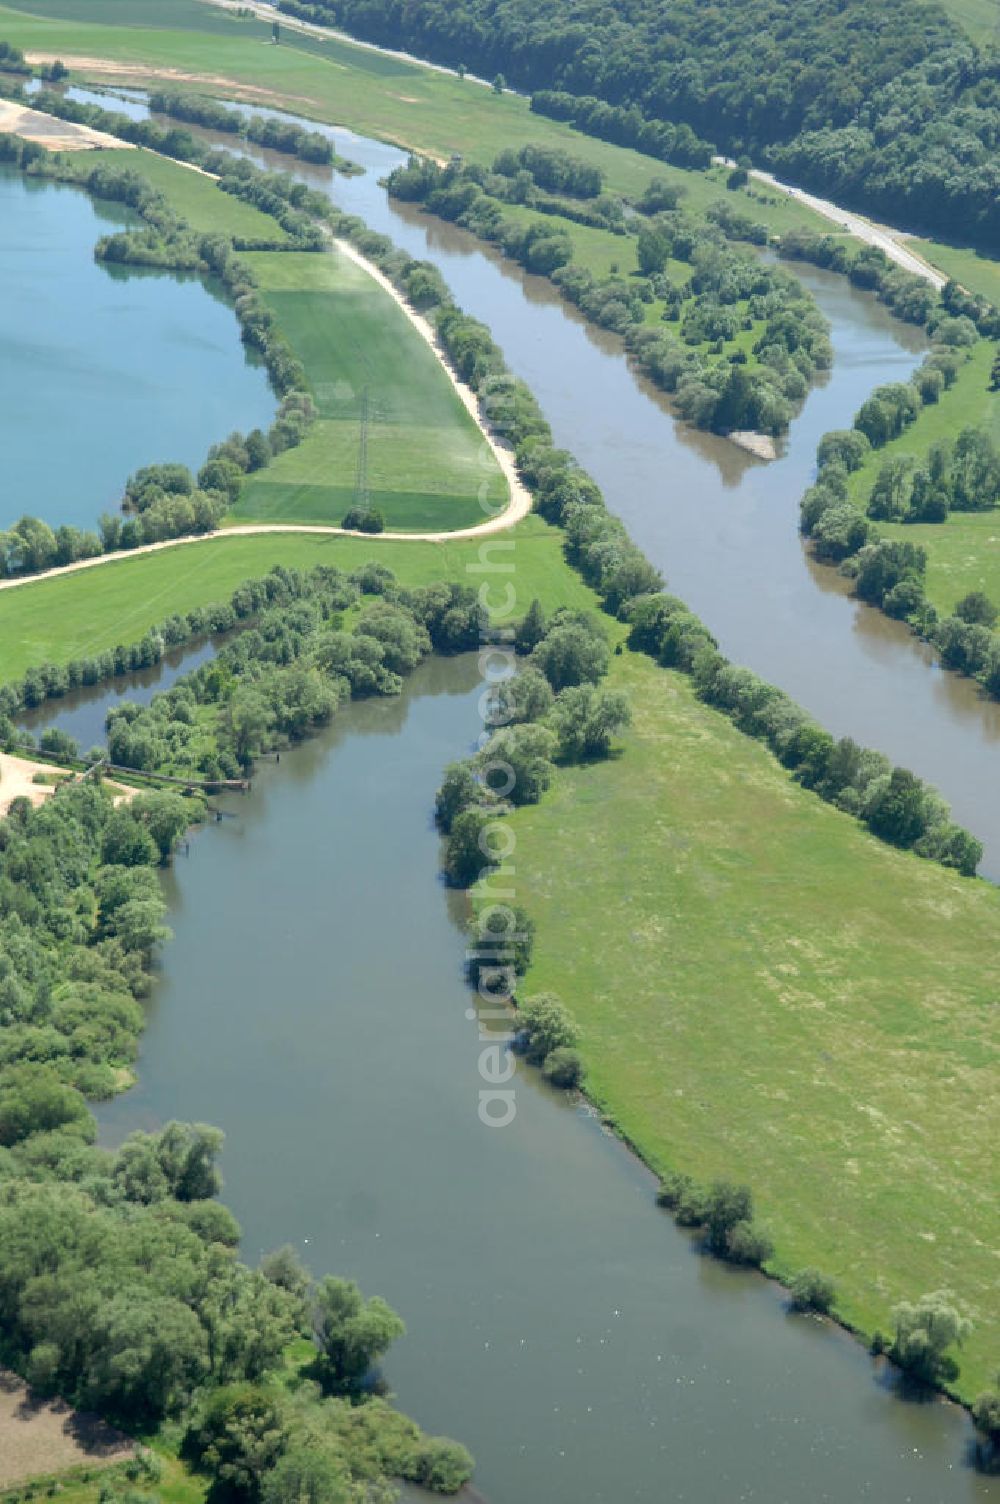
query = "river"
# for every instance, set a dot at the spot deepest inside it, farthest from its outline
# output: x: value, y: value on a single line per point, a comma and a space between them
x: 104, y: 369
x: 722, y: 526
x: 312, y: 1004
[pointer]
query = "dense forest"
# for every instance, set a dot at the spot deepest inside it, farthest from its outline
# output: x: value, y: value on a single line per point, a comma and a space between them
x: 889, y: 107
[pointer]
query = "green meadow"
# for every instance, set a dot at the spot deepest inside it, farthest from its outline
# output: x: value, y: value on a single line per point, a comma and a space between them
x: 194, y: 195
x: 963, y: 553
x: 335, y: 81
x: 980, y: 18
x: 427, y: 466
x: 766, y: 992
x: 79, y: 614
x: 976, y: 272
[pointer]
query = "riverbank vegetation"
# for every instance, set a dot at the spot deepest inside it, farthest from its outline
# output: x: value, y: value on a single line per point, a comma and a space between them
x: 276, y: 134
x: 843, y: 976
x: 744, y: 340
x: 121, y: 1287
x: 905, y: 501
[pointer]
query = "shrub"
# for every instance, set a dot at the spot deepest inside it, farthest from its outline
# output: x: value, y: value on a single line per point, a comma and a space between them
x: 811, y: 1291
x: 571, y: 653
x: 726, y: 1204
x: 925, y: 1331
x: 546, y: 1026
x: 467, y: 851
x: 748, y: 1243
x: 364, y: 520
x: 563, y: 1067
x: 500, y: 936
x: 986, y: 1415
x: 976, y: 608
x: 441, y: 1465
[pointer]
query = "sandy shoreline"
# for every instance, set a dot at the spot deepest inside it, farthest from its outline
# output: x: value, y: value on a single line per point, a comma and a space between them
x: 52, y: 133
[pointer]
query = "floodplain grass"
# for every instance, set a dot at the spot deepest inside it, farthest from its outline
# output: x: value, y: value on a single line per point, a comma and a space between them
x: 80, y: 614
x: 963, y: 552
x: 427, y: 461
x: 767, y: 993
x: 974, y: 270
x: 194, y: 195
x: 417, y: 107
x: 84, y: 1485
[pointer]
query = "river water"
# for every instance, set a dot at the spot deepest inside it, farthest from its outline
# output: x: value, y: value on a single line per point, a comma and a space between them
x: 104, y: 369
x: 722, y: 526
x: 312, y: 1004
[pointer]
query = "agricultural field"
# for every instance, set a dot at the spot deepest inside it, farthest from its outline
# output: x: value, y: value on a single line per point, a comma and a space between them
x: 369, y: 370
x: 751, y: 1010
x: 963, y: 553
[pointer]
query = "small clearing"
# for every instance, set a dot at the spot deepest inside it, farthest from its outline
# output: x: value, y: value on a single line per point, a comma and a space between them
x: 17, y: 782
x: 47, y: 1436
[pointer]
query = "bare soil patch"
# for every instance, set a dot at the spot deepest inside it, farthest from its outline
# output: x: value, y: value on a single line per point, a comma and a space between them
x: 47, y: 1436
x: 55, y: 135
x: 105, y: 68
x: 16, y: 781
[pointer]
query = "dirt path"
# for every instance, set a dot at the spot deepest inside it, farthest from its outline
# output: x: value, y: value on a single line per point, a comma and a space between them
x: 518, y: 505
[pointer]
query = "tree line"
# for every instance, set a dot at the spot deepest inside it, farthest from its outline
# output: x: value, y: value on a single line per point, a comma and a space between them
x: 264, y: 130
x: 893, y: 109
x: 728, y: 292
x: 625, y: 126
x: 906, y: 295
